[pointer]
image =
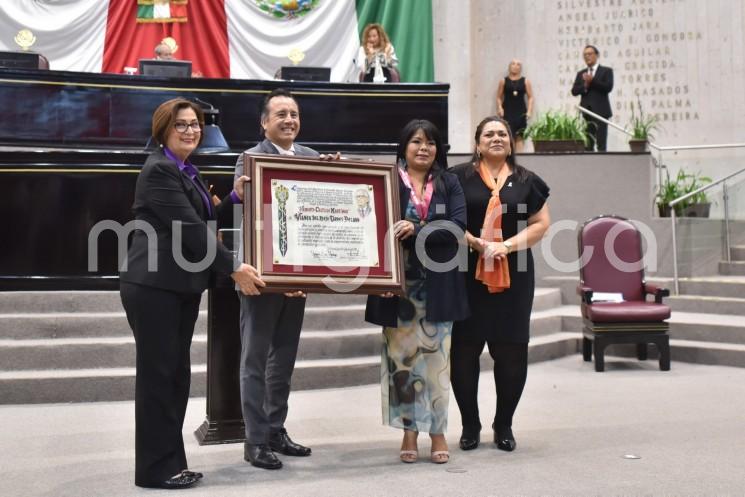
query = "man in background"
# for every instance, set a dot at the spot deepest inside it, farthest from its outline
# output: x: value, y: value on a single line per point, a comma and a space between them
x: 163, y: 52
x: 594, y: 84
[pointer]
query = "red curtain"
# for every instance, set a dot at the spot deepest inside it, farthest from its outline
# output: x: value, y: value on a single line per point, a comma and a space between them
x: 203, y: 39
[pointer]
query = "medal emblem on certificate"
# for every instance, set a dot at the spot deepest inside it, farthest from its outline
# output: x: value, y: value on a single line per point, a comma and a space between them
x: 281, y: 193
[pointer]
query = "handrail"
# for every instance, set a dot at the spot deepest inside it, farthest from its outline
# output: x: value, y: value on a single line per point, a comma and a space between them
x: 702, y: 147
x: 659, y: 147
x: 673, y: 203
x: 658, y: 165
x: 704, y: 188
x: 619, y: 128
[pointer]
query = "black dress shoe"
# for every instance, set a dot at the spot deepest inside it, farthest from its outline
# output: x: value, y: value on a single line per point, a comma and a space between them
x: 193, y: 474
x: 282, y: 443
x: 261, y: 456
x: 175, y: 483
x: 469, y: 439
x: 504, y: 439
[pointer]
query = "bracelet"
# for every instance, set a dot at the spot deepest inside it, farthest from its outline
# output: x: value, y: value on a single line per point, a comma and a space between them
x: 508, y: 245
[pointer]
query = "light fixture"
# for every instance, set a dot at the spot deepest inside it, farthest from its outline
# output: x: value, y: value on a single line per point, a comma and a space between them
x: 213, y: 140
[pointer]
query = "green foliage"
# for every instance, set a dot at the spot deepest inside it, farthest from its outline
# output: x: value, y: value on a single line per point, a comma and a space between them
x: 642, y: 126
x: 556, y: 125
x: 682, y: 184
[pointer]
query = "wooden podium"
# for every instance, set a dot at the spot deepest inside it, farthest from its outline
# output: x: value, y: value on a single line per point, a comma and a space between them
x: 224, y: 421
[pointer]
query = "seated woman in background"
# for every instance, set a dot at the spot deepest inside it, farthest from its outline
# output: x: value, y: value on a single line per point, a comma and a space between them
x: 376, y: 45
x: 415, y: 362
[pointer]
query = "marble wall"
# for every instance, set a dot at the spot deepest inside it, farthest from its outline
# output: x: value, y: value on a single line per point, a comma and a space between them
x: 684, y: 60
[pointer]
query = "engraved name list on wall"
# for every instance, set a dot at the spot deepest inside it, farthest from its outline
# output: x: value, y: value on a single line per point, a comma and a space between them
x: 651, y: 46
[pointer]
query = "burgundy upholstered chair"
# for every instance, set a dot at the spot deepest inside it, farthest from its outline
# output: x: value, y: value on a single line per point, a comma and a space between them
x: 610, y: 250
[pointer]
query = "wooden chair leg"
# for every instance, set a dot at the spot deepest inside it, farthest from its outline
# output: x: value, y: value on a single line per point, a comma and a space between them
x: 586, y: 349
x: 663, y: 345
x: 599, y: 351
x: 641, y: 351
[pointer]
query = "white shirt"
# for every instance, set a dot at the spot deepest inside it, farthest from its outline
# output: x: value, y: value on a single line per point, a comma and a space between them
x: 285, y: 151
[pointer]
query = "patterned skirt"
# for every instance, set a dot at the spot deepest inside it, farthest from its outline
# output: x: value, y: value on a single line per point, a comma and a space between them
x: 415, y: 366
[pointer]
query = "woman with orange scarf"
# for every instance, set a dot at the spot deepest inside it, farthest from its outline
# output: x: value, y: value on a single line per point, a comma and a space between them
x: 507, y: 213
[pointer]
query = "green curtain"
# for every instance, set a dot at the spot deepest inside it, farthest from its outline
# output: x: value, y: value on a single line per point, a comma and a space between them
x: 409, y: 26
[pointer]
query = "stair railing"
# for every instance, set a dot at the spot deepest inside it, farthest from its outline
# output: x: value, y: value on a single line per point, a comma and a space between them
x: 678, y: 200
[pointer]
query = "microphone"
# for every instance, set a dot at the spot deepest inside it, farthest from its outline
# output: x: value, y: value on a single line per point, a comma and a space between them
x: 200, y: 101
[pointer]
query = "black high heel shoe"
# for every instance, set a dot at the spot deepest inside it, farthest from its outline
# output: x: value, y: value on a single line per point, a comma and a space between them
x: 185, y: 479
x: 504, y: 439
x: 469, y: 439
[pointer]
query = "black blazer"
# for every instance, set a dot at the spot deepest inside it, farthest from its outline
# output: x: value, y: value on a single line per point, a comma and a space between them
x: 595, y: 96
x: 446, y: 291
x: 165, y: 194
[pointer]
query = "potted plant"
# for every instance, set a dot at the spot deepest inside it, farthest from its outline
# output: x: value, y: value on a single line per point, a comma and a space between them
x: 557, y: 131
x: 696, y: 206
x: 641, y: 128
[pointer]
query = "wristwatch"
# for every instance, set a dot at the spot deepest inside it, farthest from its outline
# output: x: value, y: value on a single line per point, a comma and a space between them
x: 508, y: 245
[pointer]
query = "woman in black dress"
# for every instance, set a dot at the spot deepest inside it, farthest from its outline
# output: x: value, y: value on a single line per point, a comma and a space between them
x: 511, y: 97
x: 500, y: 280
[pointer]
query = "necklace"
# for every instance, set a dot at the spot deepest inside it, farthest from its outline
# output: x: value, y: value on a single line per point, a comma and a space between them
x: 514, y: 84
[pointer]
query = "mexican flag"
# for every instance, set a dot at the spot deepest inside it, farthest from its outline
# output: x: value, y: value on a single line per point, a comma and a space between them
x: 246, y: 39
x: 161, y: 10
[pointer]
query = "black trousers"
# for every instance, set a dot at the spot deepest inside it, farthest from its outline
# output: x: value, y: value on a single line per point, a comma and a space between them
x: 510, y: 373
x: 598, y: 132
x: 163, y: 324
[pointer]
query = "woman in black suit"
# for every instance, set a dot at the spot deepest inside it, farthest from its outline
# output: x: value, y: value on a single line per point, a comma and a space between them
x: 169, y: 261
x: 416, y: 353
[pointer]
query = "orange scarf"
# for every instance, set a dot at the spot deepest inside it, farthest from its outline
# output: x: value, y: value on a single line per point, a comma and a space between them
x: 494, y: 273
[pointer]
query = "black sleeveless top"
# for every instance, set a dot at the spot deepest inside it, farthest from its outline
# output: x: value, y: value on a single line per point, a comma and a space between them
x: 514, y: 104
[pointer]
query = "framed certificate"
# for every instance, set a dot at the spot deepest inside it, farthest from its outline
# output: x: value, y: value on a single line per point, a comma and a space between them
x: 322, y: 226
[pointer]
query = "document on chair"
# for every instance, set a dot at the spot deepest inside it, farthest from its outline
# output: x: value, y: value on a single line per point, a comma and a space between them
x: 607, y: 297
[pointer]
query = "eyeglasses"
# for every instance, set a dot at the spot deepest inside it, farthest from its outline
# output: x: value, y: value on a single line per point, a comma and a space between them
x: 181, y: 127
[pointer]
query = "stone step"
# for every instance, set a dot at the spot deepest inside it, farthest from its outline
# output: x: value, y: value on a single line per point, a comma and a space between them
x: 706, y: 304
x: 104, y: 302
x: 681, y: 350
x: 733, y: 286
x: 27, y: 326
x: 734, y: 268
x: 720, y: 354
x: 737, y: 253
x: 60, y: 302
x: 714, y: 286
x: 546, y: 298
x: 119, y: 352
x: 688, y: 326
x: 110, y: 384
x: 107, y: 301
x: 684, y: 325
x: 114, y: 324
x: 347, y: 313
